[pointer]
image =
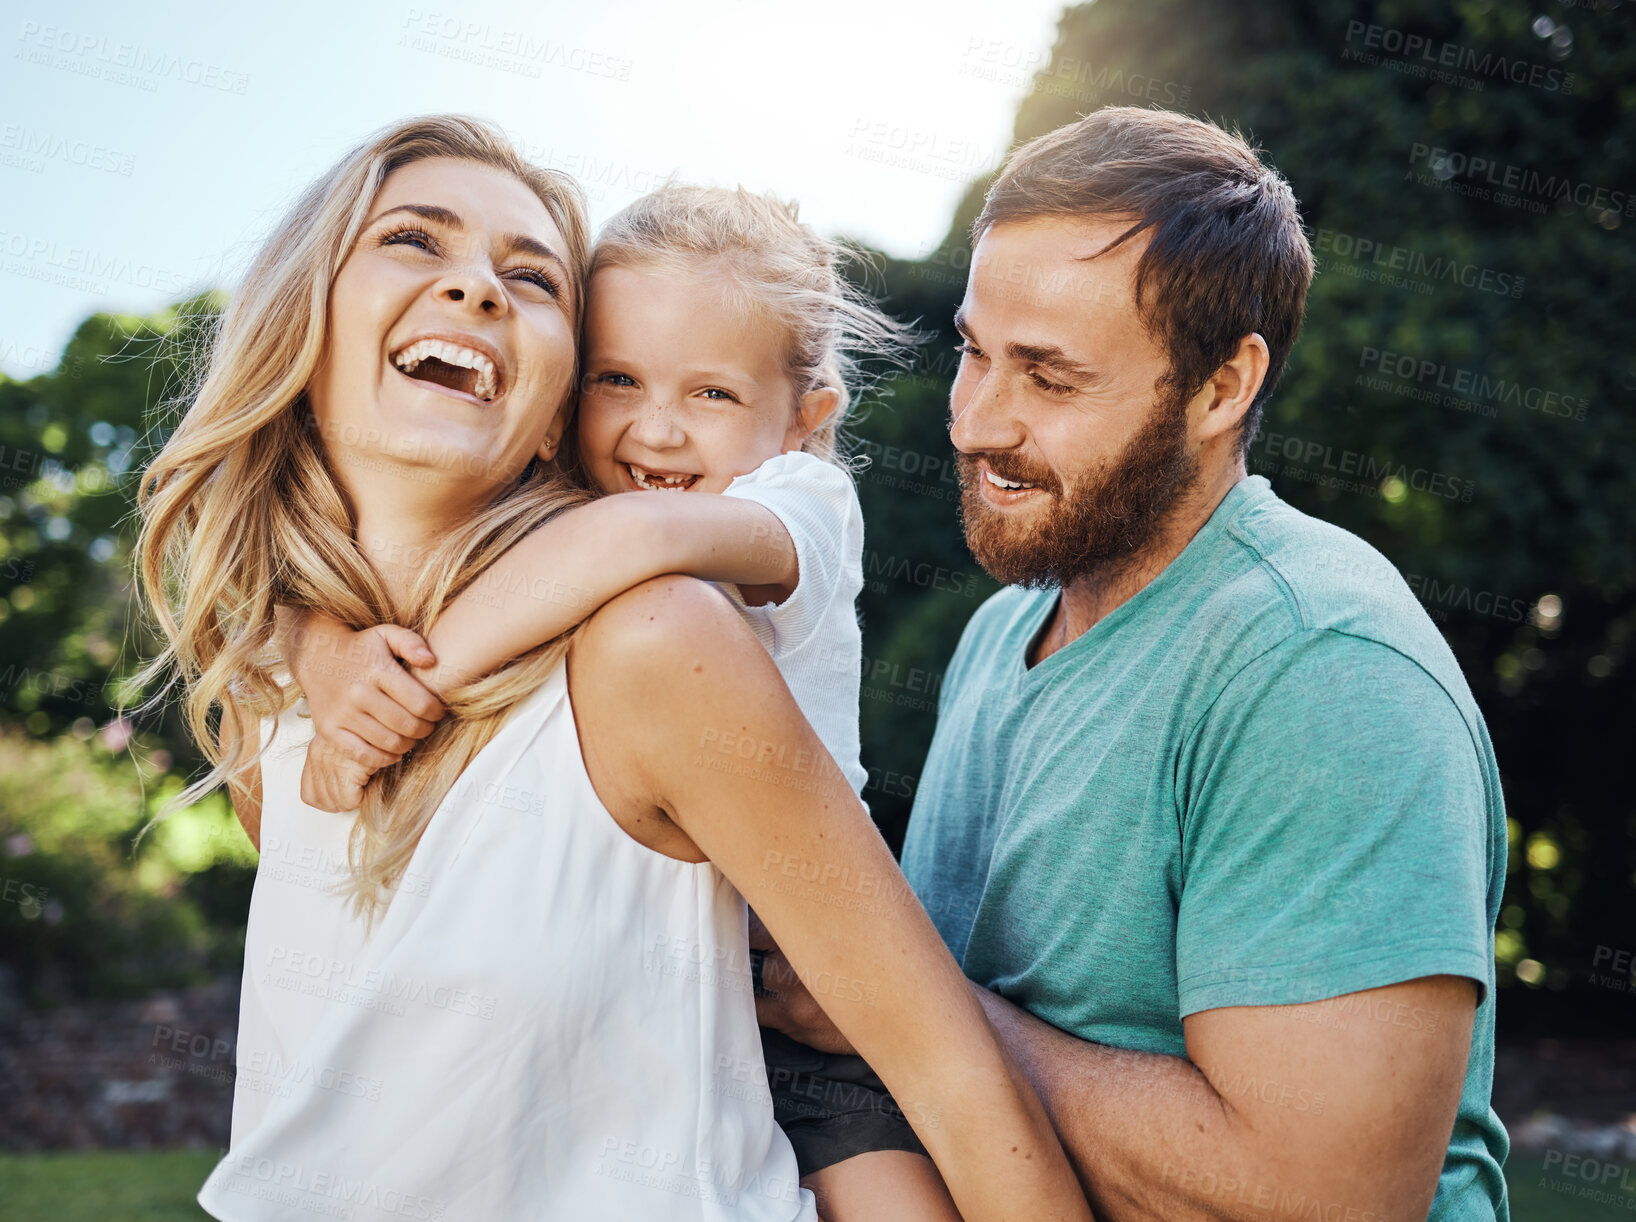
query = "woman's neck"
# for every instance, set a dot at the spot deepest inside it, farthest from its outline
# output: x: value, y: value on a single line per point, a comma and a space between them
x: 402, y: 522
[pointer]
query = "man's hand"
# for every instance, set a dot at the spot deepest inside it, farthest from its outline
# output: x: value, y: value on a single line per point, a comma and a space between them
x: 785, y: 1004
x: 367, y: 710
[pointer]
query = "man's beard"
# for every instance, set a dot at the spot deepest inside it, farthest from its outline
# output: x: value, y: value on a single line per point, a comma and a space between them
x: 1100, y: 525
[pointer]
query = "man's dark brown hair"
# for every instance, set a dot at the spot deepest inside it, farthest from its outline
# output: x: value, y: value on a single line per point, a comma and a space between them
x: 1227, y: 254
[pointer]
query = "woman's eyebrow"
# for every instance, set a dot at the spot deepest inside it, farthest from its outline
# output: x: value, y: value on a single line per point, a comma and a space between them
x: 450, y: 218
x: 429, y: 212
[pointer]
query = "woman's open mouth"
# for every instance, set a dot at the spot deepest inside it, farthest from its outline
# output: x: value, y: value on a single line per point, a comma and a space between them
x: 451, y: 365
x: 659, y: 481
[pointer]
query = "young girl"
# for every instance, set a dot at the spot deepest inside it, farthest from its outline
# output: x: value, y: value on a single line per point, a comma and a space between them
x: 718, y: 337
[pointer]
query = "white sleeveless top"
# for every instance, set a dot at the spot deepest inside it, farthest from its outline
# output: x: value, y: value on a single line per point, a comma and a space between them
x: 550, y: 1021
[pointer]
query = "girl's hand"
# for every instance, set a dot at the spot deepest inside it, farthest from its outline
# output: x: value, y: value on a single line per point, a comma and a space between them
x: 784, y: 1004
x: 368, y: 711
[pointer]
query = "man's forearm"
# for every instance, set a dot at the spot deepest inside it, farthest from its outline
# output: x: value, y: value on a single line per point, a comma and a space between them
x: 1148, y: 1135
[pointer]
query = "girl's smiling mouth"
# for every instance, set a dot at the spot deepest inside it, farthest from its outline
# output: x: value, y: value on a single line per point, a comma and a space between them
x: 648, y: 480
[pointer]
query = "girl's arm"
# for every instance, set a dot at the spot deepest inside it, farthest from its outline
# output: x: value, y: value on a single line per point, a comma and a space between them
x: 368, y: 710
x: 568, y: 567
x: 695, y: 746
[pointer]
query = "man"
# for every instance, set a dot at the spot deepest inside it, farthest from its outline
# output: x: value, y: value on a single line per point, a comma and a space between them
x: 1210, y: 818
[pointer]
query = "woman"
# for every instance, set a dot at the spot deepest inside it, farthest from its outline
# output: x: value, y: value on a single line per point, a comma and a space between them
x: 534, y: 1004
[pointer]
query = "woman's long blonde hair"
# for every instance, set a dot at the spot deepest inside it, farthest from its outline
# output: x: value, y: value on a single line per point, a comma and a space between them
x: 241, y: 510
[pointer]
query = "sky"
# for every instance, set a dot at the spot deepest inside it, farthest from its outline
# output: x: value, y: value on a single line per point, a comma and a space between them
x: 146, y: 149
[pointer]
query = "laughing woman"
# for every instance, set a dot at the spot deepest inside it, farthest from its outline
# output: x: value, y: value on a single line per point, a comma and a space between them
x: 513, y: 983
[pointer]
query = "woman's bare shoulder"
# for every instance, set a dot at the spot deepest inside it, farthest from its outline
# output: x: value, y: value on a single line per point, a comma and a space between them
x: 665, y: 624
x: 644, y: 673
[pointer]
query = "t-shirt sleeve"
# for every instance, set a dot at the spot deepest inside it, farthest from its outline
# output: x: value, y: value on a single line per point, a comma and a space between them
x: 1334, y: 831
x: 818, y: 505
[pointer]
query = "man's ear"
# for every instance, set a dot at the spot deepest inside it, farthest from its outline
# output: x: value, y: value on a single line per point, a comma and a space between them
x: 1225, y: 398
x: 816, y: 406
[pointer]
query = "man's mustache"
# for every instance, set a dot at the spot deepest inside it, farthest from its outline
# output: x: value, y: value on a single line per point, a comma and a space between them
x: 1007, y: 465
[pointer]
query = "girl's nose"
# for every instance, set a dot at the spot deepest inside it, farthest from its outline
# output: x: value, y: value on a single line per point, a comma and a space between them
x: 657, y: 427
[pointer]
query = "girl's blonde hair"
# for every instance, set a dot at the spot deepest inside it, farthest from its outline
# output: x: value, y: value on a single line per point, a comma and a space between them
x: 781, y: 269
x: 241, y: 510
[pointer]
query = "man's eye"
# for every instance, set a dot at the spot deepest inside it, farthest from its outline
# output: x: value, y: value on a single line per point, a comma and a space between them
x: 971, y: 350
x: 1050, y: 387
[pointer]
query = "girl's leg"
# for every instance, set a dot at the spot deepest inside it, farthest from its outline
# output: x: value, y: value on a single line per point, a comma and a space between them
x: 882, y: 1186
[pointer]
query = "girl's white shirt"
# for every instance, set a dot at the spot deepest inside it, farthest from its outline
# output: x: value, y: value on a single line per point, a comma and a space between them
x: 813, y: 635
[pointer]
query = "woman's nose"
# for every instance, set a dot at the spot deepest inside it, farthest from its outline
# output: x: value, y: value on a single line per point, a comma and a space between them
x: 474, y: 287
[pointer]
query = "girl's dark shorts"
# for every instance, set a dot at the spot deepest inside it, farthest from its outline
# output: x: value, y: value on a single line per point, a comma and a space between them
x: 832, y: 1106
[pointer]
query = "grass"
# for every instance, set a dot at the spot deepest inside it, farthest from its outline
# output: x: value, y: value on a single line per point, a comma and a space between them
x: 147, y: 1186
x: 159, y: 1187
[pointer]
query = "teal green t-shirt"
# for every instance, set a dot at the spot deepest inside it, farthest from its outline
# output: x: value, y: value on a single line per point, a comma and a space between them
x: 1260, y: 781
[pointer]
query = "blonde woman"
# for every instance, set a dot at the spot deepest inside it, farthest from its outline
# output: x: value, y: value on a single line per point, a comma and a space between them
x: 512, y: 983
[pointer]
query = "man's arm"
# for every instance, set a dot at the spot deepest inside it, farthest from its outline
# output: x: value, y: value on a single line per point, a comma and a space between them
x: 1276, y: 1111
x: 1346, y: 1103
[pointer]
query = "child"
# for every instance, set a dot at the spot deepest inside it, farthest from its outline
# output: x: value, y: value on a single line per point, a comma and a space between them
x: 717, y: 338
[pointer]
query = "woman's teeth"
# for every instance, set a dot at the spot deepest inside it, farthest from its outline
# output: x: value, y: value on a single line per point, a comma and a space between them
x: 411, y: 358
x: 655, y: 482
x: 1008, y: 484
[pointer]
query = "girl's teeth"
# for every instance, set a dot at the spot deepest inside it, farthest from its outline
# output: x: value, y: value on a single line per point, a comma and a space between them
x: 659, y: 483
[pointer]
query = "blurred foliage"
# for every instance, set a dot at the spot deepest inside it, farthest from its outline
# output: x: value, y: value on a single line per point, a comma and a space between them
x: 83, y: 915
x: 1531, y: 579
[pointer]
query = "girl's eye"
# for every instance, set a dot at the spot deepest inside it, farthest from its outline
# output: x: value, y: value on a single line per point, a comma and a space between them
x: 408, y: 235
x: 720, y: 395
x: 535, y: 276
x: 617, y: 379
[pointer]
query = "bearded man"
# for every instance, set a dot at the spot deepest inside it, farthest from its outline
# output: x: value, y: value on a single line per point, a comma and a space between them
x: 1211, y: 818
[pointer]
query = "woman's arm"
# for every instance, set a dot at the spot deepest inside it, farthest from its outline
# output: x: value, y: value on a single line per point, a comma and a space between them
x: 568, y: 567
x: 693, y: 741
